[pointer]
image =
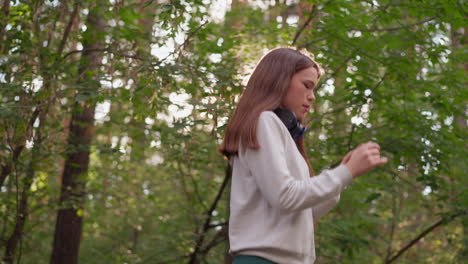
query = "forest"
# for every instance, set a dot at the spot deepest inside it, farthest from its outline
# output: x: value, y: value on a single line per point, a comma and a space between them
x: 112, y: 111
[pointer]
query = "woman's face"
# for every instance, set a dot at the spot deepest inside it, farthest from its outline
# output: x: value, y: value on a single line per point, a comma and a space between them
x: 301, y: 92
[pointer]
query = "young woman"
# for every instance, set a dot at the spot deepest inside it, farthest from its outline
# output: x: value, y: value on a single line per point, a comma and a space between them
x: 274, y: 198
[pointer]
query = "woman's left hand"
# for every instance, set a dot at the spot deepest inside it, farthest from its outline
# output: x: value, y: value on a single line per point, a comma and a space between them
x: 363, y: 158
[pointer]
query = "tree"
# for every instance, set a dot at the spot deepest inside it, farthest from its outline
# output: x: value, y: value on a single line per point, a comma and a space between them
x: 70, y: 214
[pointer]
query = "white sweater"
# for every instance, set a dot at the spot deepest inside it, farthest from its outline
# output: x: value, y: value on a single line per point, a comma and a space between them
x: 274, y: 202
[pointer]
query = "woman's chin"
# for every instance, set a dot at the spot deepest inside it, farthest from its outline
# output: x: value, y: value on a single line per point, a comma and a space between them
x: 300, y: 118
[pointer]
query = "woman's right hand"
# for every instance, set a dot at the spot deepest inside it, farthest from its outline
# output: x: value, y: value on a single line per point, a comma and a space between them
x: 363, y: 158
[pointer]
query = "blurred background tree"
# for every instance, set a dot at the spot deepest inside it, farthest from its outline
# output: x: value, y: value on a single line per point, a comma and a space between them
x: 111, y: 113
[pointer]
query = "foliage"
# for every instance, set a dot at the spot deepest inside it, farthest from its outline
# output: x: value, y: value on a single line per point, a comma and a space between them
x: 170, y: 76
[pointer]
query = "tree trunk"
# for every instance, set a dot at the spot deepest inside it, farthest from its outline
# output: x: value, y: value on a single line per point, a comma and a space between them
x: 23, y: 210
x: 73, y: 26
x: 70, y: 215
x: 42, y: 110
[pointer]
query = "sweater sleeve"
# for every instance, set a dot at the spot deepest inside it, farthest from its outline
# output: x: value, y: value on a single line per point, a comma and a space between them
x: 268, y: 166
x: 325, y: 206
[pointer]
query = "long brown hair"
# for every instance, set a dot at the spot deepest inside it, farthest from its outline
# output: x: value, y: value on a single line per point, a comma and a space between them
x: 265, y: 90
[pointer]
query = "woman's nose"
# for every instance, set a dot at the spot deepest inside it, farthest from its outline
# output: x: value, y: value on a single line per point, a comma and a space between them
x: 311, y: 96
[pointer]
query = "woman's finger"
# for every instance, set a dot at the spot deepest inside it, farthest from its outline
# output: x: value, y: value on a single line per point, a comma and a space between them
x: 377, y: 161
x: 373, y: 152
x: 383, y: 160
x: 373, y: 145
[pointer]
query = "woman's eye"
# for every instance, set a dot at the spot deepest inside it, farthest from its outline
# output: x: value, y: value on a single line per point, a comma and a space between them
x: 306, y: 86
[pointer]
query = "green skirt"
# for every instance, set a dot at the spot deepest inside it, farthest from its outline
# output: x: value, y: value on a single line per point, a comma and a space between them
x: 251, y: 260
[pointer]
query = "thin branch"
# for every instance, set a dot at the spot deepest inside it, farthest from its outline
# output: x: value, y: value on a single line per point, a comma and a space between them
x: 186, y: 190
x: 394, y: 28
x: 76, y: 7
x: 136, y: 57
x: 351, y: 134
x: 397, y: 175
x: 3, y: 23
x: 6, y: 216
x: 392, y: 226
x: 6, y: 169
x: 423, y: 234
x: 79, y: 51
x: 52, y: 30
x: 358, y: 49
x: 186, y: 42
x: 109, y: 50
x: 344, y: 63
x: 16, y: 237
x: 312, y: 42
x: 194, y: 182
x: 306, y: 24
x: 218, y: 238
x: 209, y: 214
